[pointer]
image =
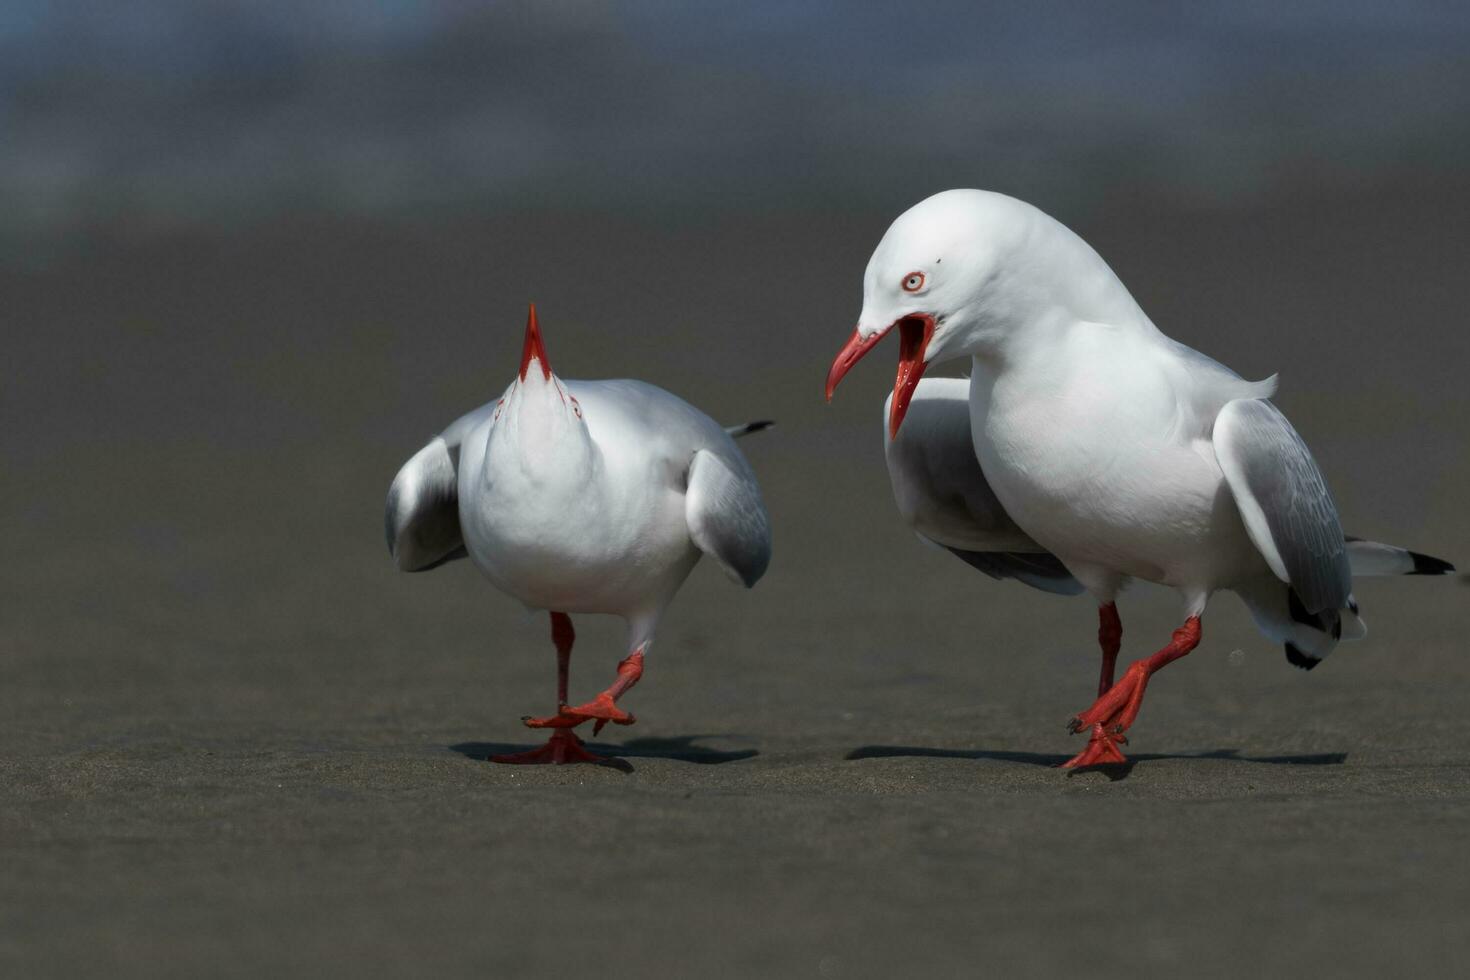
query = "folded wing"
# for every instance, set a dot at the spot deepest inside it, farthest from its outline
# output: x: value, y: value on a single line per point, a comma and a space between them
x: 422, y: 520
x: 942, y: 493
x: 1283, y: 499
x: 727, y: 518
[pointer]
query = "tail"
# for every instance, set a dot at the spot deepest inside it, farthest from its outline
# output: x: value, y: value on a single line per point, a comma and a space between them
x: 736, y: 431
x: 1373, y: 558
x: 1310, y: 636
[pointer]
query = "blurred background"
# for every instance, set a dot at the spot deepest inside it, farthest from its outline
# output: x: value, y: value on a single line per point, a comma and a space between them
x: 252, y: 254
x: 165, y: 115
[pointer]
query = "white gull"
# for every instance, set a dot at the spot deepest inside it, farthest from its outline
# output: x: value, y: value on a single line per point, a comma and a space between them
x: 1103, y: 451
x: 582, y: 497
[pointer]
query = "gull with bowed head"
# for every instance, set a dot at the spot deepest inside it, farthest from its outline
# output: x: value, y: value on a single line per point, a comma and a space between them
x: 1088, y: 449
x: 582, y: 497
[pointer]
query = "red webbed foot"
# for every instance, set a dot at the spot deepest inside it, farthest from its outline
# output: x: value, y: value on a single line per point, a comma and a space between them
x: 600, y: 709
x: 604, y: 708
x: 1102, y: 749
x: 563, y: 748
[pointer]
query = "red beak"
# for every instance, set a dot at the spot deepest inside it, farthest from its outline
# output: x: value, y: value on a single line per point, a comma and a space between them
x: 914, y: 334
x: 851, y: 353
x: 533, y: 349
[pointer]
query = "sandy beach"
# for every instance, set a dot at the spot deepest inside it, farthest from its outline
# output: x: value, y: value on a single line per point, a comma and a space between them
x: 238, y: 743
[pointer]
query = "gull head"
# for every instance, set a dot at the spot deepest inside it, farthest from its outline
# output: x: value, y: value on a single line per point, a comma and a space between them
x: 537, y: 419
x: 962, y: 273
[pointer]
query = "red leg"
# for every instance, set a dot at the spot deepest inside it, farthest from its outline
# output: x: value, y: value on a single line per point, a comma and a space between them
x: 563, y: 746
x: 1103, y: 746
x: 1116, y: 709
x: 1110, y: 639
x: 563, y: 636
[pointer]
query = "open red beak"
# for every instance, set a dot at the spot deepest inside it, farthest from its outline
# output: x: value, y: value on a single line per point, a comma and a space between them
x: 914, y: 334
x: 533, y: 349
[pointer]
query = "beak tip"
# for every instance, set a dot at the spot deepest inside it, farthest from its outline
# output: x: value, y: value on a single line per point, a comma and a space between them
x: 851, y: 353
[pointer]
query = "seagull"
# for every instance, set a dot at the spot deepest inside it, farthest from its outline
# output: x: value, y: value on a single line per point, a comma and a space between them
x: 1087, y: 449
x: 582, y: 497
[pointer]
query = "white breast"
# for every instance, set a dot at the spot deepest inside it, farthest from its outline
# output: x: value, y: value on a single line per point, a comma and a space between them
x: 1096, y: 458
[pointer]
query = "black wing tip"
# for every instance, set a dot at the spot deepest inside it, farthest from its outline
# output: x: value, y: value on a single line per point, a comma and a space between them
x: 759, y: 426
x: 1429, y: 565
x: 1296, y: 658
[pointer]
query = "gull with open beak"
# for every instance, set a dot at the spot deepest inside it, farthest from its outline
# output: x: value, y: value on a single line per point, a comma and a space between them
x: 582, y: 497
x: 1088, y: 449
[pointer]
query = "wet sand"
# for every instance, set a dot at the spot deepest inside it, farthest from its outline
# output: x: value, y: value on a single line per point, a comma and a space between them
x: 237, y: 743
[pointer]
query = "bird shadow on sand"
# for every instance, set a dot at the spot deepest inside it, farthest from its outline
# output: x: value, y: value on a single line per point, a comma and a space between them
x: 1114, y: 771
x: 680, y: 749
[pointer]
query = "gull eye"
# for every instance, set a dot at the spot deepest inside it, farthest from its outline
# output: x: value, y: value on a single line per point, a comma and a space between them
x: 498, y: 406
x: 913, y: 282
x: 576, y: 408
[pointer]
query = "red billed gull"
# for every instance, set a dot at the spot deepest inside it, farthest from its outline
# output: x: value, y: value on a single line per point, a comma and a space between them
x: 582, y: 497
x: 1092, y: 449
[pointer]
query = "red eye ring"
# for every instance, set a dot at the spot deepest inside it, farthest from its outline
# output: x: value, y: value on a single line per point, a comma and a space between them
x: 913, y: 282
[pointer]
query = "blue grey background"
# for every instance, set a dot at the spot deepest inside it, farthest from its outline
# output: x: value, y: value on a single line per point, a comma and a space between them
x: 169, y: 112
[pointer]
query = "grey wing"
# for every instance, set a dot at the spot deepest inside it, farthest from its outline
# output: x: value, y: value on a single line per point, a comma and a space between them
x: 726, y: 517
x: 942, y: 493
x: 422, y: 519
x: 1284, y: 502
